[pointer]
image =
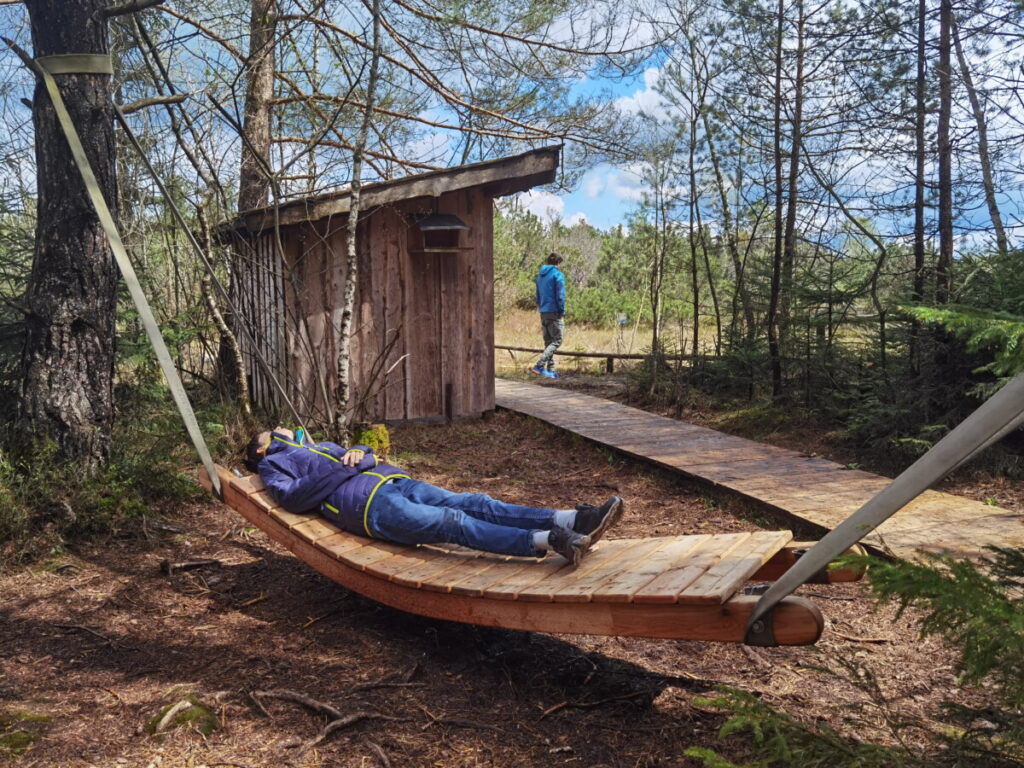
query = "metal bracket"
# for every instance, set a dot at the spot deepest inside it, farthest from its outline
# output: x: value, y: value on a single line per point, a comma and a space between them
x: 761, y: 632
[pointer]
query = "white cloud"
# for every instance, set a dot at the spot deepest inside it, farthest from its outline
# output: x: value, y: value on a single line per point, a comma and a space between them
x: 593, y: 185
x: 626, y: 184
x: 647, y: 100
x: 548, y: 207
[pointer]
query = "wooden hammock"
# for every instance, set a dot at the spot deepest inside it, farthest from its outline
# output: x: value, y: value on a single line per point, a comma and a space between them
x: 681, y: 587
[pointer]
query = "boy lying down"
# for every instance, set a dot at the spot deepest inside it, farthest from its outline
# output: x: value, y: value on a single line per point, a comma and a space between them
x: 353, y: 491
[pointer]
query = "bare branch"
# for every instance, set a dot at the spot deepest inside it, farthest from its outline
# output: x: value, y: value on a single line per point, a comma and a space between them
x: 133, y: 7
x: 153, y: 101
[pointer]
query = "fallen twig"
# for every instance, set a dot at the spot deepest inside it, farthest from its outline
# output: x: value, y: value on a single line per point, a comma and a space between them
x: 340, y: 723
x: 86, y: 629
x: 378, y: 750
x: 338, y: 720
x: 181, y: 706
x: 300, y: 698
x: 186, y: 565
x: 459, y: 723
x: 384, y: 684
x: 259, y: 704
x: 855, y: 639
x: 756, y: 657
x: 592, y: 704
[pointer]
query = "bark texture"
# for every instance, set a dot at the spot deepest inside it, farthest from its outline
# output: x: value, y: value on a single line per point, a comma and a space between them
x: 254, y: 182
x: 68, y: 359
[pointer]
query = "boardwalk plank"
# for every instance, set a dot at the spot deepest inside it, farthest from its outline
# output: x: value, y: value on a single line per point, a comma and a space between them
x: 812, y: 489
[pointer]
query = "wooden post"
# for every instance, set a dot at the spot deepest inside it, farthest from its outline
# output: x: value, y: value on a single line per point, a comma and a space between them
x: 609, y: 364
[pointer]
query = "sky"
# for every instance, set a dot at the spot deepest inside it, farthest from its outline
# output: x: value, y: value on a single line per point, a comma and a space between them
x: 606, y: 194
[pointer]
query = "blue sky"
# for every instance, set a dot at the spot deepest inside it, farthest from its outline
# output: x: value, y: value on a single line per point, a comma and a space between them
x: 606, y: 194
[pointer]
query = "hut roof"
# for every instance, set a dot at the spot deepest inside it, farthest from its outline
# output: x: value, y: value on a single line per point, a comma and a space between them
x: 504, y: 176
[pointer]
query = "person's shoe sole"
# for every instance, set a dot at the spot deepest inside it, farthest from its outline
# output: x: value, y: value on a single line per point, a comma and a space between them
x: 535, y: 372
x: 579, y: 551
x: 611, y: 518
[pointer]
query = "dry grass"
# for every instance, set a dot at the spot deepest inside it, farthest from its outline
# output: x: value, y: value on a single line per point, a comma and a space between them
x: 521, y: 328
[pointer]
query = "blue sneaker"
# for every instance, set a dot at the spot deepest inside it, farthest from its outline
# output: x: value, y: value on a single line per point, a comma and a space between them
x: 551, y: 375
x: 537, y: 371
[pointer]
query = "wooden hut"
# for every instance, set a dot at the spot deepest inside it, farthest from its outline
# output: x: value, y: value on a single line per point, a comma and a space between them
x: 423, y: 338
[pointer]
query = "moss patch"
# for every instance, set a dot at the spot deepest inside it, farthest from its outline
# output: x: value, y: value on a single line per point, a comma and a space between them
x: 197, y: 715
x: 377, y: 437
x: 14, y: 740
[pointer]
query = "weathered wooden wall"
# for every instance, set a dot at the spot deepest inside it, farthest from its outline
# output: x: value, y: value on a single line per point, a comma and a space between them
x: 437, y: 307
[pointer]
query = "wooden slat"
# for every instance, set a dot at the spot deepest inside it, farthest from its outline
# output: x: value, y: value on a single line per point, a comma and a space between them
x: 288, y: 520
x: 475, y: 577
x: 621, y: 588
x: 412, y: 557
x: 315, y: 529
x: 725, y: 578
x: 787, y: 557
x: 337, y: 544
x: 666, y: 587
x: 417, y: 574
x: 582, y: 588
x: 516, y: 581
x: 599, y: 563
x: 373, y: 551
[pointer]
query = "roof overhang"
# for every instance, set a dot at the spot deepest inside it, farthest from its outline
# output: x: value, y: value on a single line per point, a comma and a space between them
x: 504, y: 176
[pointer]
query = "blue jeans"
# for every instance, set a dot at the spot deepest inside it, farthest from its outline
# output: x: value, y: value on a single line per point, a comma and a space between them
x: 414, y: 512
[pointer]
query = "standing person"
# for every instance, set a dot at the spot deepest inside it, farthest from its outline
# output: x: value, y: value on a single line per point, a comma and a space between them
x: 551, y: 305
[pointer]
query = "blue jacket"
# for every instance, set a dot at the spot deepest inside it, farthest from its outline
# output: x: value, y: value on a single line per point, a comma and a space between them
x: 304, y: 477
x: 551, y: 290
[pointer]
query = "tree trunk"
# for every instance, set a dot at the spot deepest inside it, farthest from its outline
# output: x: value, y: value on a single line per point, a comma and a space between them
x: 983, y: 154
x: 68, y: 359
x: 920, y: 117
x: 774, y: 352
x: 944, y: 263
x: 343, y: 417
x: 730, y: 236
x: 254, y: 179
x: 789, y: 239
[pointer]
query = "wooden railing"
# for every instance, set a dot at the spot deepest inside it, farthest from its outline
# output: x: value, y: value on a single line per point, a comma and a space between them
x: 609, y: 357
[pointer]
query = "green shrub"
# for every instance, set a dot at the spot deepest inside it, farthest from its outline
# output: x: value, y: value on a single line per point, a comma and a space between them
x: 45, y: 502
x: 978, y: 608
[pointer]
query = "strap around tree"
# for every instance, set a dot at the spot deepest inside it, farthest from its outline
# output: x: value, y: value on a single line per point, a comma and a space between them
x: 77, y: 64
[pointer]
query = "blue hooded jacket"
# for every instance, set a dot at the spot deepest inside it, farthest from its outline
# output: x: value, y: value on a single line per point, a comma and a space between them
x: 304, y: 477
x: 551, y: 290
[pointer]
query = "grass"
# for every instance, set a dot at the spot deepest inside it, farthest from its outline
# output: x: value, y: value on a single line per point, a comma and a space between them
x: 521, y: 328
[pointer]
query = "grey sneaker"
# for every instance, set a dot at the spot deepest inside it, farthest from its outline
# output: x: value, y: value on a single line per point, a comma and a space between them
x: 569, y: 544
x: 594, y: 521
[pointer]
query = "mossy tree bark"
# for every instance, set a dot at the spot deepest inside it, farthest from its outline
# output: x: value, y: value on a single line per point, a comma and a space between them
x: 68, y: 358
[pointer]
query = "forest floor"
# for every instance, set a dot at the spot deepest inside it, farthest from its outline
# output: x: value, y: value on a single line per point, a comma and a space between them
x: 98, y: 641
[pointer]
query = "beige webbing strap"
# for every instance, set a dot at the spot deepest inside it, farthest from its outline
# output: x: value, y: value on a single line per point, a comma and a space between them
x: 77, y: 64
x: 973, y: 433
x: 91, y: 63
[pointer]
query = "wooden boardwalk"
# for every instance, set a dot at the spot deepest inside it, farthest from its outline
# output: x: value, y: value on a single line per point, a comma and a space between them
x: 782, y: 481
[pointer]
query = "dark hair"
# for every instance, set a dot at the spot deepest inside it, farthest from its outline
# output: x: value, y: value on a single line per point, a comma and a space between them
x: 252, y: 453
x: 555, y: 259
